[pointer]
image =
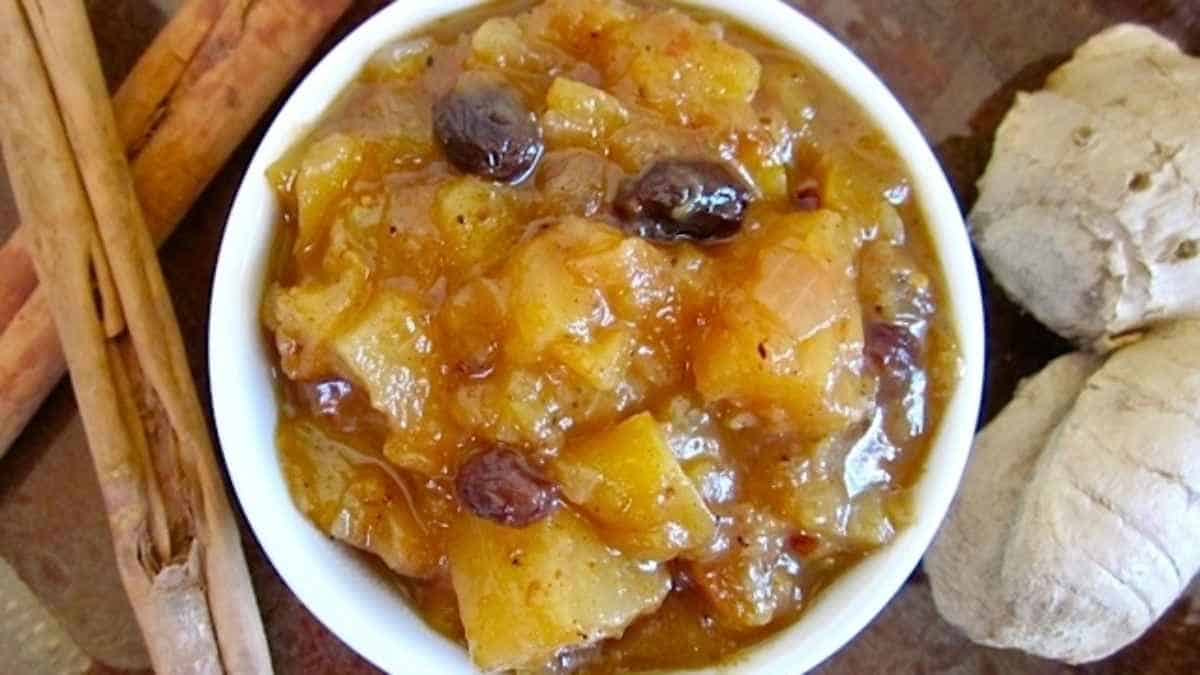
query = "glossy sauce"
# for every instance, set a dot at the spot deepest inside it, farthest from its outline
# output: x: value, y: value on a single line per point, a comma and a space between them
x: 700, y: 272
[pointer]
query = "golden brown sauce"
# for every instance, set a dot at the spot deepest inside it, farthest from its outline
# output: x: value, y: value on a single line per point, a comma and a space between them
x: 596, y: 450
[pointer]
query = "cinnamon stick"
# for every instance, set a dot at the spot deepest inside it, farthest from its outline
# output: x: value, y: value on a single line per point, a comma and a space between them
x: 199, y: 89
x: 20, y: 277
x: 176, y: 540
x: 31, y: 365
x: 232, y: 75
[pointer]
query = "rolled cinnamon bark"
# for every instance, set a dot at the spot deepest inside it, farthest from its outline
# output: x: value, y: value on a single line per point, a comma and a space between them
x: 199, y: 89
x: 31, y: 364
x: 177, y: 543
x: 19, y: 277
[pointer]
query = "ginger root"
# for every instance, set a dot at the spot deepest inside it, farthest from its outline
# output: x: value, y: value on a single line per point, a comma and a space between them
x: 1077, y: 524
x: 1089, y: 212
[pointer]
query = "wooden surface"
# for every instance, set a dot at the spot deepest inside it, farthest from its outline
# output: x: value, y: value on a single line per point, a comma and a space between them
x: 955, y: 64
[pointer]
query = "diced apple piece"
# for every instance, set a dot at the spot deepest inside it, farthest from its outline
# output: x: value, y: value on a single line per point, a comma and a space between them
x: 635, y: 276
x: 526, y: 593
x: 473, y: 317
x: 582, y: 236
x: 388, y: 350
x: 894, y: 287
x: 317, y: 473
x: 350, y: 497
x: 660, y: 362
x: 683, y: 628
x: 422, y: 449
x: 410, y: 243
x: 788, y: 89
x: 501, y: 42
x: 645, y: 139
x: 835, y: 490
x: 716, y: 482
x: 394, y: 123
x: 683, y: 70
x: 328, y: 167
x: 854, y: 179
x: 354, y: 235
x: 581, y: 115
x: 805, y: 288
x: 890, y: 225
x: 870, y: 526
x: 534, y: 407
x: 744, y: 357
x: 282, y: 177
x: 628, y: 482
x: 820, y: 507
x: 306, y: 318
x: 694, y: 274
x: 900, y: 507
x: 401, y: 132
x: 766, y: 161
x: 374, y: 515
x: 794, y: 340
x: 755, y: 579
x: 401, y: 61
x: 479, y: 220
x: 602, y: 361
x: 824, y: 234
x: 576, y: 182
x: 818, y: 504
x: 576, y: 25
x: 511, y: 406
x: 547, y: 302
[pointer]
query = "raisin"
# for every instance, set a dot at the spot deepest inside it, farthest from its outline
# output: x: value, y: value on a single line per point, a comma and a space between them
x: 807, y: 197
x: 327, y: 395
x: 894, y: 352
x: 497, y: 483
x: 346, y: 407
x: 891, y: 348
x: 486, y: 130
x: 683, y: 199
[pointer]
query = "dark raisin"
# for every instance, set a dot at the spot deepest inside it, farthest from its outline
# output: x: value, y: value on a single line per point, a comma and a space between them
x: 807, y: 198
x: 895, y: 354
x: 327, y: 395
x: 497, y: 483
x: 486, y: 130
x: 345, y: 406
x: 683, y: 199
x: 891, y: 348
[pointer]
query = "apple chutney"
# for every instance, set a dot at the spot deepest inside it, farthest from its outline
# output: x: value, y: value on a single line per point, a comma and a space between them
x: 612, y: 329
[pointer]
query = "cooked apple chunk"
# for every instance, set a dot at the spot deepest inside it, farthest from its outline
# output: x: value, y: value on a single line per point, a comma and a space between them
x: 628, y: 482
x: 526, y: 593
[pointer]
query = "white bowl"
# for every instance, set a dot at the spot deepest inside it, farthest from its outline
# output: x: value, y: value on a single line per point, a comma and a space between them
x: 350, y: 597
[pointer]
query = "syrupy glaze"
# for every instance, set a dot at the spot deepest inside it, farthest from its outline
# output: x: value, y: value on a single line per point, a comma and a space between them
x: 604, y: 430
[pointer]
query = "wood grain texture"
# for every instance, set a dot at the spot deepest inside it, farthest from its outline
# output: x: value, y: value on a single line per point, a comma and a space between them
x: 955, y: 64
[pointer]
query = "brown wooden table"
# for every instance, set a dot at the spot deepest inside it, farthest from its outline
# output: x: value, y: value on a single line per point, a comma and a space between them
x: 956, y: 64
